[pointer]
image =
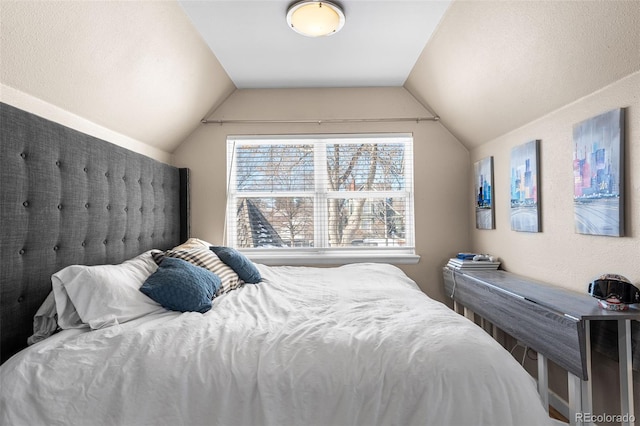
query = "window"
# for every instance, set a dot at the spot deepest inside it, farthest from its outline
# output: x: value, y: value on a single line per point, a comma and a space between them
x: 321, y: 195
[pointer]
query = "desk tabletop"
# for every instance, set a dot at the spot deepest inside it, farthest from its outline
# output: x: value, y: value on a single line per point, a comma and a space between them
x: 577, y: 305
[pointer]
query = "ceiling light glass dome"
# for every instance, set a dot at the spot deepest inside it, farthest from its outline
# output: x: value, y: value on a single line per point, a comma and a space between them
x: 315, y: 18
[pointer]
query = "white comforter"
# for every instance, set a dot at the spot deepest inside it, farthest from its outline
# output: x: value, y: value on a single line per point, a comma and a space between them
x: 355, y: 345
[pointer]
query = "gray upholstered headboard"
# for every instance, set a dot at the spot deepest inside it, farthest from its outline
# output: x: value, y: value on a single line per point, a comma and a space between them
x: 69, y: 198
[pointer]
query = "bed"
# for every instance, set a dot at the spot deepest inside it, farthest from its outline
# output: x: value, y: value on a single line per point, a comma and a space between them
x: 353, y: 345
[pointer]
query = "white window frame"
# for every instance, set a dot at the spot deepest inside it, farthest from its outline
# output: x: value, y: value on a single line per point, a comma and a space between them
x: 323, y: 254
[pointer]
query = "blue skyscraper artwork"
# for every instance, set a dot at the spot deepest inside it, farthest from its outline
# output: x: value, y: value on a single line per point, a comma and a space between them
x: 483, y: 193
x: 525, y: 197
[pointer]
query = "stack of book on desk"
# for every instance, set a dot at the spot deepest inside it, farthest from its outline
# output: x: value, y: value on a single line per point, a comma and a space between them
x: 465, y: 261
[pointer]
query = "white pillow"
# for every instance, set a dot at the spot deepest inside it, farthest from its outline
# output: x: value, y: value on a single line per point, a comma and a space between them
x: 193, y: 243
x: 103, y: 295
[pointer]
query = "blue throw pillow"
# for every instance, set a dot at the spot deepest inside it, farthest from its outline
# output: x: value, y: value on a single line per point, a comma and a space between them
x: 237, y: 261
x: 181, y: 286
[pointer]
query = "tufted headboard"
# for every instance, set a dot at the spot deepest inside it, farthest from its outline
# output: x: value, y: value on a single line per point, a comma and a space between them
x: 69, y: 198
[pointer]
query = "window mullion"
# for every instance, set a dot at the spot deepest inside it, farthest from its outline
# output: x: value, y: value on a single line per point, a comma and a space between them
x: 409, y: 206
x: 368, y: 194
x: 274, y: 194
x: 321, y: 220
x: 231, y: 217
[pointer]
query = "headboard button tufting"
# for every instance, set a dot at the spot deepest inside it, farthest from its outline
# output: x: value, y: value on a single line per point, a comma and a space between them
x: 20, y: 299
x: 47, y: 182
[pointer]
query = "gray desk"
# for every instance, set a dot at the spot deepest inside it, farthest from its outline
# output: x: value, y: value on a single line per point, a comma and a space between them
x: 553, y: 321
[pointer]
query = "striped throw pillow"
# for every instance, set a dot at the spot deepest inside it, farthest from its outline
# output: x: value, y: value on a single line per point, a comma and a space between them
x: 207, y: 259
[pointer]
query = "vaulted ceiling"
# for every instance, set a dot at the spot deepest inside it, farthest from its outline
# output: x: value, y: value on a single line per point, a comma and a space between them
x: 378, y: 45
x: 494, y: 66
x: 152, y: 70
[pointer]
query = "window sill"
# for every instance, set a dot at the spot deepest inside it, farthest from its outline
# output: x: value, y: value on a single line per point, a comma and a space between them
x: 332, y: 259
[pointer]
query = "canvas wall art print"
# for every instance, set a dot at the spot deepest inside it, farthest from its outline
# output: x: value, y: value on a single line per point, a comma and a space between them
x: 525, y: 184
x: 483, y: 186
x: 598, y: 174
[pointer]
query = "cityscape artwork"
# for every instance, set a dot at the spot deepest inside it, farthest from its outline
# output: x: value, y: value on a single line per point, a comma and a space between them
x: 483, y: 187
x: 598, y: 174
x: 525, y: 211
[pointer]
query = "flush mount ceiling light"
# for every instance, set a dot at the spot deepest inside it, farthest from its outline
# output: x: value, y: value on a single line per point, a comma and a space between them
x: 315, y: 18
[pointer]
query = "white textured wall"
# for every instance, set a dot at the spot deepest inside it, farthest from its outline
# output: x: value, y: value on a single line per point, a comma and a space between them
x: 58, y: 115
x: 441, y: 162
x: 136, y: 68
x: 493, y: 66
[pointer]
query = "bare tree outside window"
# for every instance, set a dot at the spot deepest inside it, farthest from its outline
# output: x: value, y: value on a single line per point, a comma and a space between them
x: 350, y: 168
x: 364, y: 168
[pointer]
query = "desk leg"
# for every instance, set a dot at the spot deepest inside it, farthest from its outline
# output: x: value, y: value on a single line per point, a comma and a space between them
x: 487, y: 326
x: 576, y: 412
x: 496, y: 334
x: 587, y: 390
x: 626, y: 375
x: 543, y: 380
x: 468, y: 313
